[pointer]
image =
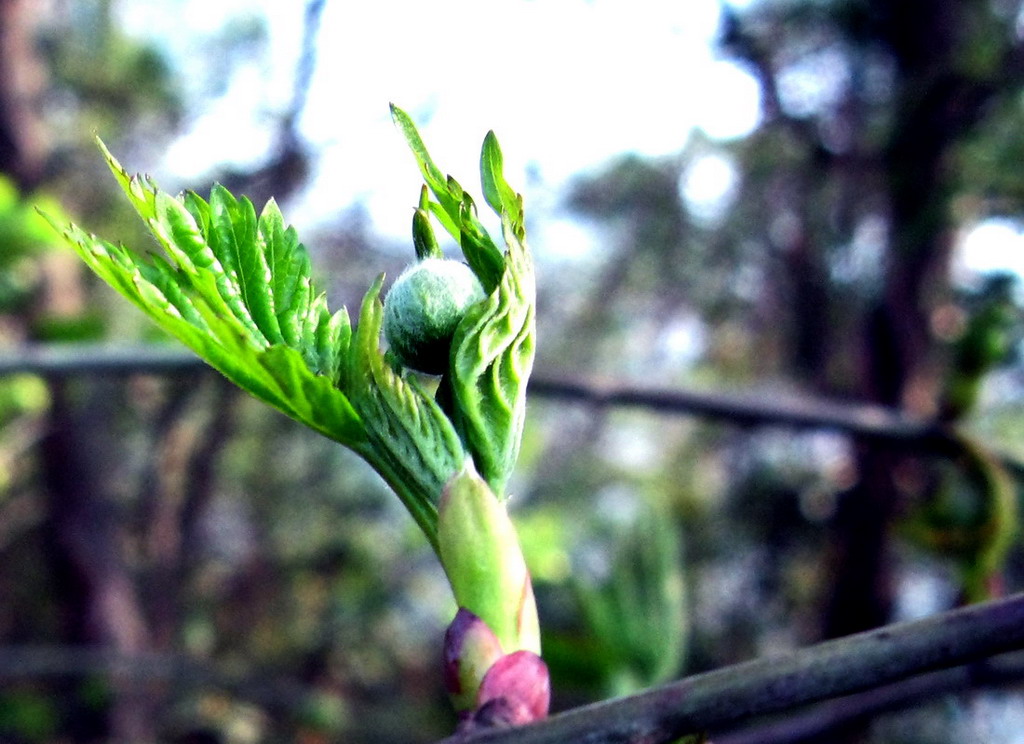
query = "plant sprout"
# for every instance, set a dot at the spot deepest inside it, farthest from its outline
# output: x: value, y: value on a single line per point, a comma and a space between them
x: 235, y: 287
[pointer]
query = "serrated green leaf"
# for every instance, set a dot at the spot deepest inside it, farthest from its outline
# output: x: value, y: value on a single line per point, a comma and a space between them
x: 277, y: 375
x: 341, y: 334
x: 332, y: 344
x: 414, y: 444
x: 199, y: 208
x: 180, y: 234
x: 235, y: 240
x: 491, y: 362
x: 105, y: 259
x: 140, y: 189
x: 217, y: 295
x: 316, y: 315
x: 169, y: 280
x: 289, y: 271
x: 182, y: 238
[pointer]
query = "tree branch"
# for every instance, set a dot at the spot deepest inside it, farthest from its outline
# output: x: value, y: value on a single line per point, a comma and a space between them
x: 830, y: 718
x: 72, y: 360
x: 37, y: 661
x: 751, y: 408
x: 765, y: 686
x: 768, y: 407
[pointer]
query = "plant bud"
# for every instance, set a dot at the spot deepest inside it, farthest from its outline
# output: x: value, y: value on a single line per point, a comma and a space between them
x: 423, y: 309
x: 423, y: 238
x: 515, y: 690
x: 470, y: 649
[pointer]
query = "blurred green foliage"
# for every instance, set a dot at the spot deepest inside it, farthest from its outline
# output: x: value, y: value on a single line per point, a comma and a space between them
x: 629, y: 626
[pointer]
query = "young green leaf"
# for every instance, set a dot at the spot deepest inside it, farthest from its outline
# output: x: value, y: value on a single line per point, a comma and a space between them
x: 235, y: 287
x: 233, y: 239
x: 626, y: 616
x: 447, y: 222
x: 423, y: 238
x: 218, y: 294
x: 432, y: 175
x: 454, y: 208
x: 289, y: 271
x: 182, y: 238
x: 491, y: 362
x: 478, y: 248
x: 140, y: 189
x: 494, y: 344
x: 414, y: 444
x: 499, y: 195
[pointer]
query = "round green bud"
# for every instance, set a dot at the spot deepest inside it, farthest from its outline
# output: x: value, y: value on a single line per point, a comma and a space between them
x: 423, y: 308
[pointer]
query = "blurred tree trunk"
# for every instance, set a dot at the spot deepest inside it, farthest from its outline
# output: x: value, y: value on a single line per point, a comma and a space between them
x: 177, y: 492
x: 98, y: 598
x: 936, y: 106
x: 22, y: 144
x: 84, y: 530
x: 81, y: 532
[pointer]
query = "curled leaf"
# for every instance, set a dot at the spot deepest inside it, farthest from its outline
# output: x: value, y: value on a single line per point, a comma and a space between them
x: 492, y: 359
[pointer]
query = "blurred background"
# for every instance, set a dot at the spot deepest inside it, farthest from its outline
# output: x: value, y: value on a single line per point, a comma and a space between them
x: 788, y: 209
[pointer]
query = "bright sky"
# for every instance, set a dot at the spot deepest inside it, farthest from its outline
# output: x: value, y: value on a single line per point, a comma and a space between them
x: 566, y: 85
x: 992, y: 245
